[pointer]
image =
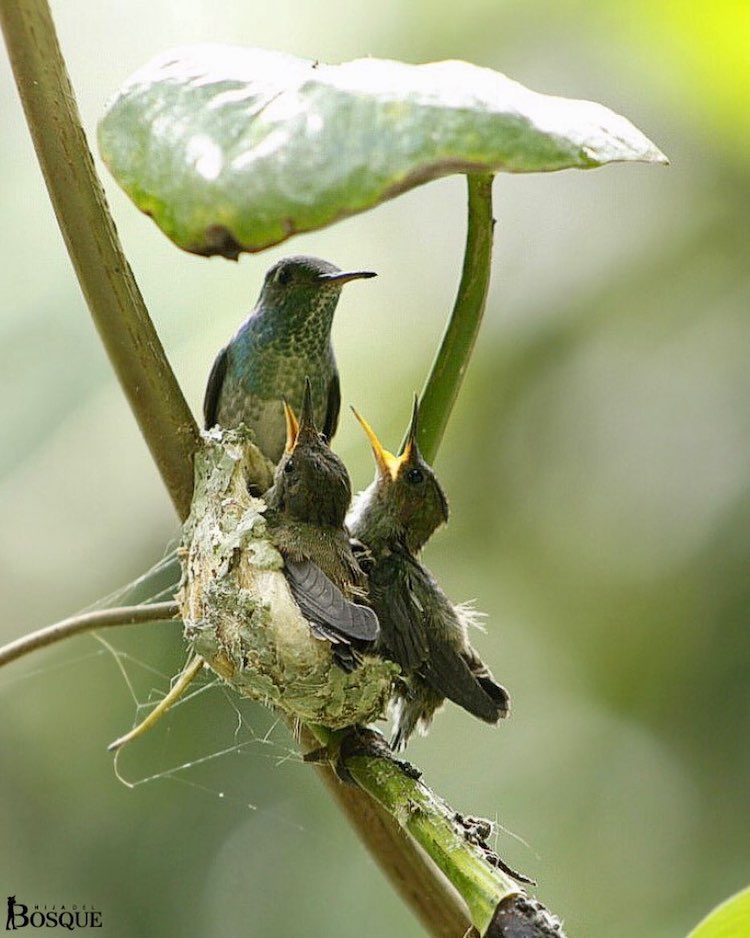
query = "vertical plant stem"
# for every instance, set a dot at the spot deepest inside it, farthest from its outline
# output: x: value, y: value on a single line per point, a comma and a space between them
x: 103, y: 272
x: 449, y: 367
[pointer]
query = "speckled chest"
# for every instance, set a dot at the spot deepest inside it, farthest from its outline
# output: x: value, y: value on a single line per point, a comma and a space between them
x: 267, y: 361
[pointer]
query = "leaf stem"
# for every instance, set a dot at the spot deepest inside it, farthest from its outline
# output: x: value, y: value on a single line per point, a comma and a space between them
x: 449, y: 366
x: 103, y: 272
x: 87, y: 622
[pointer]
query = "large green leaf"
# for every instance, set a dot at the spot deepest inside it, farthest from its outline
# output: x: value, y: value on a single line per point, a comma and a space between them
x: 731, y: 919
x: 233, y: 149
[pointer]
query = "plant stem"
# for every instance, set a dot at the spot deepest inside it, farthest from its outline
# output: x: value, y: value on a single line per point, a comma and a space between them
x: 103, y: 272
x: 450, y: 363
x: 433, y: 825
x: 409, y: 870
x: 476, y: 878
x: 411, y: 873
x: 99, y: 619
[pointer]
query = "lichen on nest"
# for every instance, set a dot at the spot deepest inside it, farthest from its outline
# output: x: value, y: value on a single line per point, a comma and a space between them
x: 238, y: 611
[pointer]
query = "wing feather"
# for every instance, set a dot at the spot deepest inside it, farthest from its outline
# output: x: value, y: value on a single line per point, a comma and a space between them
x: 402, y: 625
x: 322, y: 602
x: 422, y: 632
x: 333, y: 408
x: 213, y: 389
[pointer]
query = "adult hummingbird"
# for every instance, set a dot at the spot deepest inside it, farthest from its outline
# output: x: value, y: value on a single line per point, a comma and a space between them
x: 286, y: 338
x: 420, y: 628
x: 307, y: 506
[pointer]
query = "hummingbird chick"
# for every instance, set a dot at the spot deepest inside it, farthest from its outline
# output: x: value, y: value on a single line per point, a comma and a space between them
x: 285, y: 339
x: 307, y: 506
x: 420, y: 629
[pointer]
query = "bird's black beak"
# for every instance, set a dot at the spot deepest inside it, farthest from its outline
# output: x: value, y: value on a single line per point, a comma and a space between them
x: 307, y: 430
x: 411, y: 455
x: 344, y: 276
x: 411, y: 450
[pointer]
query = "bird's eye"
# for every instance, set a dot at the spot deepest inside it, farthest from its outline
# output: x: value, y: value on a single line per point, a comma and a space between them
x: 283, y: 276
x: 415, y: 476
x: 289, y: 466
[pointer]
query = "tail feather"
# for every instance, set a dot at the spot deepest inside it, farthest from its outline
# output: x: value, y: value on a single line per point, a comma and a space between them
x: 489, y: 685
x: 466, y: 680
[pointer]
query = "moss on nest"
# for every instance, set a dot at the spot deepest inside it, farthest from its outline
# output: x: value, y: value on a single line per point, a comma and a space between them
x: 239, y: 613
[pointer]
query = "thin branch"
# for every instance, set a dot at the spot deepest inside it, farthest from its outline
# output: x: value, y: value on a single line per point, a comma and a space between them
x: 449, y: 367
x: 103, y: 272
x: 88, y: 622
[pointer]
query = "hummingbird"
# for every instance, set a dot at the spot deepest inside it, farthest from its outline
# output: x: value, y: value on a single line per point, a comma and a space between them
x: 420, y: 629
x: 286, y: 338
x: 307, y: 506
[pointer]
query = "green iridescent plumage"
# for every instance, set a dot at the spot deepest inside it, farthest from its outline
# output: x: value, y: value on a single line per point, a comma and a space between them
x: 420, y: 628
x: 286, y: 339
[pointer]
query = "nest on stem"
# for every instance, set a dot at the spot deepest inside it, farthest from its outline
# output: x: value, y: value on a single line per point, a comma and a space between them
x: 239, y: 613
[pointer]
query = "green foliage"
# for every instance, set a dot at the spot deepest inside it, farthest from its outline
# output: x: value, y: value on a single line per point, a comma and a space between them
x: 731, y: 919
x: 233, y: 149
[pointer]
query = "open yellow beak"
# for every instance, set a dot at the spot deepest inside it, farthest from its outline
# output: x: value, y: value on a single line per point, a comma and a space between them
x: 388, y: 464
x: 292, y: 428
x: 304, y: 428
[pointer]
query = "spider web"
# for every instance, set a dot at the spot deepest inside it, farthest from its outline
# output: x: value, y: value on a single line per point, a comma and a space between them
x: 246, y: 729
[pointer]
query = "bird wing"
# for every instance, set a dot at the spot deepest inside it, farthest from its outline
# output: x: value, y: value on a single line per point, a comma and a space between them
x: 449, y: 673
x: 490, y: 686
x: 333, y: 406
x: 402, y: 622
x: 422, y: 631
x: 323, y: 603
x: 213, y: 388
x: 453, y: 667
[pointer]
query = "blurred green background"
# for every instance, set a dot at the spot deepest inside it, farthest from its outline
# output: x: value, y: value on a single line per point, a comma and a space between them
x: 597, y: 464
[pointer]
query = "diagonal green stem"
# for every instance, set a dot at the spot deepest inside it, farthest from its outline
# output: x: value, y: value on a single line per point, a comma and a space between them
x: 432, y: 824
x: 476, y: 880
x: 410, y: 871
x: 449, y: 367
x: 103, y: 272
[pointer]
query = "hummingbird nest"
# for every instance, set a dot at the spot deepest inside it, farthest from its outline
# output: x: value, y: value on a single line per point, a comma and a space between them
x: 239, y: 613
